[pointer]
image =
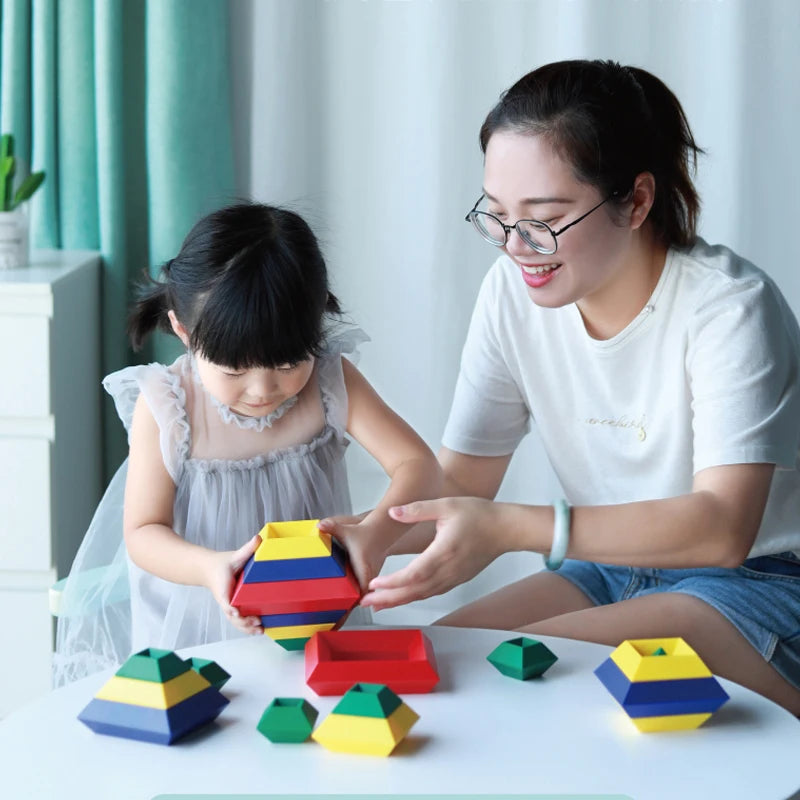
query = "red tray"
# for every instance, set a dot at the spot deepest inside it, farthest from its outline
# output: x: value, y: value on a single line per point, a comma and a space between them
x: 401, y: 659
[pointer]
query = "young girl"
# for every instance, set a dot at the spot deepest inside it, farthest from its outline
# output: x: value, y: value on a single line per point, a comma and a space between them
x: 662, y: 374
x: 246, y: 428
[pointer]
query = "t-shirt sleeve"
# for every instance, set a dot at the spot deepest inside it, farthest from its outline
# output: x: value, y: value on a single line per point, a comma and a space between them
x: 489, y: 416
x: 742, y: 364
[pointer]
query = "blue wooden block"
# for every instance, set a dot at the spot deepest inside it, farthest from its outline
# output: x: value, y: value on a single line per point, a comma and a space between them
x: 162, y: 726
x: 661, y: 698
x: 302, y: 618
x: 296, y: 569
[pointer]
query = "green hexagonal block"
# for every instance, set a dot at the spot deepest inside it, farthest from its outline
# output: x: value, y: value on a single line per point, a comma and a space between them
x: 151, y: 664
x: 292, y: 644
x: 210, y: 670
x: 288, y: 719
x: 522, y: 658
x: 368, y: 700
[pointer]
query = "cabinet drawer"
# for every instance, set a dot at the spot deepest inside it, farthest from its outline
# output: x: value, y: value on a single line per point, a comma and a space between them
x: 25, y: 504
x: 24, y: 359
x: 25, y: 669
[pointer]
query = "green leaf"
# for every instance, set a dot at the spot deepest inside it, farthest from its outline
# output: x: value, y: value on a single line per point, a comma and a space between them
x: 28, y: 187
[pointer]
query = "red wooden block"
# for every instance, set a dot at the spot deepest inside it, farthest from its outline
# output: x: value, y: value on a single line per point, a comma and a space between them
x: 402, y: 659
x: 292, y: 597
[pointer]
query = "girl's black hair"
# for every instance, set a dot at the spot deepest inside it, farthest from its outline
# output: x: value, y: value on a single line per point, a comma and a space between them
x: 610, y: 123
x: 249, y: 285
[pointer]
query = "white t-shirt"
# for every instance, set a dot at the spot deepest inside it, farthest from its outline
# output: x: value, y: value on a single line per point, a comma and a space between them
x: 707, y: 374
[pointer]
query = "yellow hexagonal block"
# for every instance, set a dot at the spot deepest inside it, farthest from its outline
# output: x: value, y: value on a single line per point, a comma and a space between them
x: 344, y: 733
x: 298, y: 631
x: 151, y: 694
x: 635, y: 659
x: 295, y: 539
x: 673, y: 722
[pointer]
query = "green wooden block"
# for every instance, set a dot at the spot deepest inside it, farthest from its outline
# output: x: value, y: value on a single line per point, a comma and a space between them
x: 211, y: 671
x: 288, y: 720
x: 522, y: 658
x: 368, y: 700
x: 292, y: 644
x: 154, y: 665
x: 660, y: 652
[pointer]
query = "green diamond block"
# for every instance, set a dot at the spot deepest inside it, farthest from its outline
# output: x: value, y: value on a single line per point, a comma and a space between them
x: 522, y: 658
x: 368, y: 700
x: 210, y: 670
x: 154, y: 665
x: 660, y: 652
x: 288, y: 719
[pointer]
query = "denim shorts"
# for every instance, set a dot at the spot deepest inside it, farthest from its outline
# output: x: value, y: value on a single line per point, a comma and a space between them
x: 761, y: 598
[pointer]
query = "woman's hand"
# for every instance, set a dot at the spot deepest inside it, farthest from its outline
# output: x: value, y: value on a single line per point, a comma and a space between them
x: 467, y: 540
x: 364, y: 537
x: 221, y: 574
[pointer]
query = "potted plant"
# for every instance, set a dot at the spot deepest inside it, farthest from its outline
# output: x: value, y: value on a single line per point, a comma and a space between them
x: 13, y: 222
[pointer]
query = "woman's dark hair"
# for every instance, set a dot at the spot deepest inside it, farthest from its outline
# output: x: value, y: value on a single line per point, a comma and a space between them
x: 610, y: 123
x: 249, y: 285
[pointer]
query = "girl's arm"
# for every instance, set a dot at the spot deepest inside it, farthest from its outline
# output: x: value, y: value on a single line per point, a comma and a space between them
x: 148, y: 516
x: 411, y: 466
x: 713, y: 525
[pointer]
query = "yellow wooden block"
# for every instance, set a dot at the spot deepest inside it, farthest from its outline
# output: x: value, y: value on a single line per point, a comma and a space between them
x: 296, y: 539
x: 675, y: 722
x: 344, y: 733
x: 152, y: 694
x: 298, y: 631
x: 636, y: 660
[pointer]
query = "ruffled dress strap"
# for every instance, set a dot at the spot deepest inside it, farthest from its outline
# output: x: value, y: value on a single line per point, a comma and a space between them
x: 341, y: 339
x: 164, y: 394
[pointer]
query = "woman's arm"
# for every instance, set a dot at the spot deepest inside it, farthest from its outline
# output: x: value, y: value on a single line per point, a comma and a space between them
x: 147, y: 524
x: 464, y: 476
x: 714, y: 525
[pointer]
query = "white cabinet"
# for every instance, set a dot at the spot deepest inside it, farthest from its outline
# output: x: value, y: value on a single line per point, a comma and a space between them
x: 50, y: 465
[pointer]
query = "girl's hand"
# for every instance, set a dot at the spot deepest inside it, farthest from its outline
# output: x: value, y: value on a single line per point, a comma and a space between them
x: 221, y: 578
x: 466, y: 542
x: 361, y: 536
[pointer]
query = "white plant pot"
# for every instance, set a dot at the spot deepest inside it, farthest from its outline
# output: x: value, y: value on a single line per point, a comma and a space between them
x: 14, y: 239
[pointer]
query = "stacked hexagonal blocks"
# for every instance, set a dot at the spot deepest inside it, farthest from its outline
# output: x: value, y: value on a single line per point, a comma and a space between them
x: 661, y: 683
x: 156, y: 696
x: 369, y: 719
x: 299, y: 581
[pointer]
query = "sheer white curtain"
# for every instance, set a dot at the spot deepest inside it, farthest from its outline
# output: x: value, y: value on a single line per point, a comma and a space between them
x: 364, y: 116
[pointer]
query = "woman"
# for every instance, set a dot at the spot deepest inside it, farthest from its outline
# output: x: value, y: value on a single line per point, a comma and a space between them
x: 662, y: 374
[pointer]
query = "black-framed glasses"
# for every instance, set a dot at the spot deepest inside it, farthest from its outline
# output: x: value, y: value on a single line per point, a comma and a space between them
x: 536, y: 234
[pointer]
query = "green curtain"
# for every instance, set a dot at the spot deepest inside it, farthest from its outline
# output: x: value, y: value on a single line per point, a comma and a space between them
x: 126, y: 105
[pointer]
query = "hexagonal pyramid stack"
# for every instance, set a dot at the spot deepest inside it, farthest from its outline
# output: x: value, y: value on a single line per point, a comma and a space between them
x: 369, y: 719
x: 299, y: 581
x: 522, y: 658
x: 662, y: 684
x: 156, y: 696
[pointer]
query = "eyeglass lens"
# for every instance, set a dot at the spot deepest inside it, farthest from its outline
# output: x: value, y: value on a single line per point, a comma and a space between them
x: 535, y: 234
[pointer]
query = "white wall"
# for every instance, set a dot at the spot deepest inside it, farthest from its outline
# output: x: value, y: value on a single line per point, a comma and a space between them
x: 364, y: 116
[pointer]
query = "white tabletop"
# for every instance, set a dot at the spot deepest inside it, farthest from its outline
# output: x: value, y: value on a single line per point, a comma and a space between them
x: 479, y: 733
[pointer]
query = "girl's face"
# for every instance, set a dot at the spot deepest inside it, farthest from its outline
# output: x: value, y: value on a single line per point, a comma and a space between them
x: 524, y: 178
x: 253, y: 392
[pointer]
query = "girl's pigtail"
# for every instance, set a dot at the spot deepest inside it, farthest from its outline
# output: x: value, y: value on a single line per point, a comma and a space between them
x: 149, y: 311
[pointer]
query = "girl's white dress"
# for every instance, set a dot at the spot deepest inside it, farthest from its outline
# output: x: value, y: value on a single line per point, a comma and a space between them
x: 232, y: 475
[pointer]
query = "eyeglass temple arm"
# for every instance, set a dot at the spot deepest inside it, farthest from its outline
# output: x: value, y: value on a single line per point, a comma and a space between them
x: 477, y: 203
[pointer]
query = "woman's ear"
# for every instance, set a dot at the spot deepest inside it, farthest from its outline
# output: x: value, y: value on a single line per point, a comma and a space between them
x: 178, y: 329
x: 643, y: 196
